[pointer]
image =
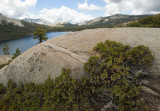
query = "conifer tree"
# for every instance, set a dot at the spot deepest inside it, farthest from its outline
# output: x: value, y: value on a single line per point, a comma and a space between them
x: 6, y: 49
x: 40, y: 34
x: 18, y: 52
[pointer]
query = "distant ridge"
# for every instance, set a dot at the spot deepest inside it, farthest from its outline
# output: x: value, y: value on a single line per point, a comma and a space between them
x: 38, y: 21
x: 109, y: 21
x: 114, y: 20
x: 10, y: 20
x: 63, y: 23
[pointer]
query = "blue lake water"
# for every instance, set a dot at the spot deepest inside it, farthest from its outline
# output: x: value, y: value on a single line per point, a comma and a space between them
x: 25, y: 43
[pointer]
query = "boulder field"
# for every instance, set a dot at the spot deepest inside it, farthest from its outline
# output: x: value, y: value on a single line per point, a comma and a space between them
x: 73, y: 50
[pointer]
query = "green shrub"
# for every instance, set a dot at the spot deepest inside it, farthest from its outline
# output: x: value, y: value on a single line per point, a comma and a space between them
x: 61, y: 94
x: 2, y: 89
x: 113, y: 69
x: 11, y: 85
x: 140, y: 55
x: 18, y: 52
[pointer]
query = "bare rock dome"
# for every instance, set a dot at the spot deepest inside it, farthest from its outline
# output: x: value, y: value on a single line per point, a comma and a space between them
x: 73, y: 50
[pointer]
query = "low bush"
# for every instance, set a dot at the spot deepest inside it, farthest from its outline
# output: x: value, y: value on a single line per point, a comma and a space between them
x: 113, y: 69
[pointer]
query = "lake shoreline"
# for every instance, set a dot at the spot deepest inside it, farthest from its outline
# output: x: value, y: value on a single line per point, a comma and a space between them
x: 24, y: 43
x: 30, y: 35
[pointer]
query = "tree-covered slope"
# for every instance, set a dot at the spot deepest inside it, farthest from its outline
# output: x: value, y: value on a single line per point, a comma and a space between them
x: 8, y: 30
x: 150, y: 21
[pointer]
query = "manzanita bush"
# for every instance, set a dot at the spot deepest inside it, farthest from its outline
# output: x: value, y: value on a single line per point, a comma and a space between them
x: 113, y: 69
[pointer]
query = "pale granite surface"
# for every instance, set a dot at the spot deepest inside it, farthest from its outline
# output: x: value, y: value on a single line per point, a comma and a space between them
x: 72, y: 51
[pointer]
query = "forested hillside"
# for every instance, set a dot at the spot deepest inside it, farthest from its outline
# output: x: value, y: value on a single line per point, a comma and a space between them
x: 150, y: 21
x: 10, y: 31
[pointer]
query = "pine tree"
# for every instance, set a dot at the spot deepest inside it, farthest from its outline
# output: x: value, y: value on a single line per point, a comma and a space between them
x: 40, y: 34
x: 18, y: 52
x: 6, y: 49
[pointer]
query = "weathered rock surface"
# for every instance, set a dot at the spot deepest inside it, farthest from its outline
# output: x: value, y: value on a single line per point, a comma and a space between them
x: 4, y: 59
x: 72, y: 50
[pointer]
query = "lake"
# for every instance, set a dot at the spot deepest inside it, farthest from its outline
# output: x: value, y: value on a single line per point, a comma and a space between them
x: 25, y: 43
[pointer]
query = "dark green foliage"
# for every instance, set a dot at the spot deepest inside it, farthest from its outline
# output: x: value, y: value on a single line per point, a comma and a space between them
x: 150, y: 21
x: 140, y: 55
x: 40, y: 34
x: 61, y: 94
x: 2, y: 89
x: 11, y: 85
x: 113, y: 69
x: 66, y: 94
x: 126, y: 95
x: 18, y: 52
x: 6, y: 49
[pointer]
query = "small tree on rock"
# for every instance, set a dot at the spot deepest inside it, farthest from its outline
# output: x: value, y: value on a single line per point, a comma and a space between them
x: 6, y: 49
x: 40, y: 34
x: 18, y: 52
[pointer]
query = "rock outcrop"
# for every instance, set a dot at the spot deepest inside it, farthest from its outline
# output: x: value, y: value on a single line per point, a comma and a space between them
x: 72, y: 51
x: 4, y: 59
